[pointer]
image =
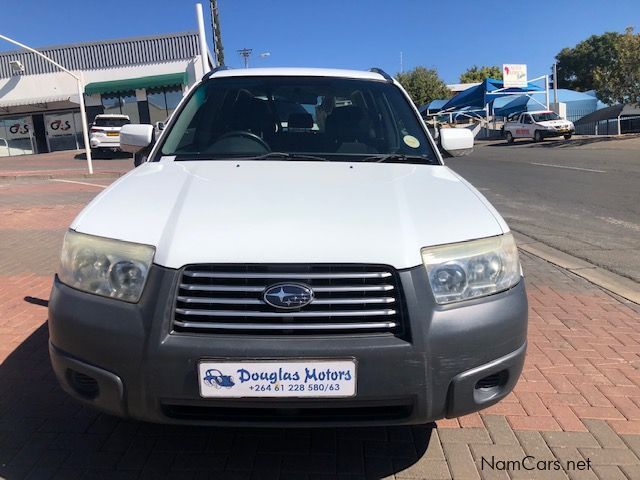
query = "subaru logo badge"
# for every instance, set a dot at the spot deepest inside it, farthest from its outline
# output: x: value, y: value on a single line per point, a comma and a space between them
x: 288, y: 295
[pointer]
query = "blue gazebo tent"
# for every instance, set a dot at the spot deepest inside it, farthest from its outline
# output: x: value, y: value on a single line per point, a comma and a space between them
x: 486, y: 93
x: 578, y: 104
x: 433, y: 106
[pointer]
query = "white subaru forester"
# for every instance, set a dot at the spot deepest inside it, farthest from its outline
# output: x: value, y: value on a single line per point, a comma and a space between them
x: 292, y: 252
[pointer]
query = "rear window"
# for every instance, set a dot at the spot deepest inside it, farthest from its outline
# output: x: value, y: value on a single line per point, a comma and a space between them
x: 111, y: 122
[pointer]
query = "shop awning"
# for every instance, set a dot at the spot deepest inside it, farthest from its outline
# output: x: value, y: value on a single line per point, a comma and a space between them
x: 18, y: 102
x: 153, y: 81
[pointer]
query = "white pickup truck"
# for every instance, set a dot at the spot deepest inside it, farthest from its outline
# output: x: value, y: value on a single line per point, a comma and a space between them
x: 537, y: 125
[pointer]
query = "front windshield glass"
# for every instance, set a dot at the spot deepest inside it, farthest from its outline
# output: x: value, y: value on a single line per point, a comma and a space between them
x: 325, y: 118
x: 543, y: 117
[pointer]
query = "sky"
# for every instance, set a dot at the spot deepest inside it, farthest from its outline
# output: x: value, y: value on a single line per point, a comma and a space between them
x: 447, y: 35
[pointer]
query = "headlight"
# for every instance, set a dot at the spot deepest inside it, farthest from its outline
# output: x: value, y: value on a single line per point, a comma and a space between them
x: 111, y: 268
x: 461, y: 271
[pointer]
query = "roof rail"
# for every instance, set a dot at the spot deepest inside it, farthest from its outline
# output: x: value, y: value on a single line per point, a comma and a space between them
x: 380, y: 71
x: 215, y: 70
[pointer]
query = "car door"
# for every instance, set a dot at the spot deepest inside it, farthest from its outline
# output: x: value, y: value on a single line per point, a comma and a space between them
x: 517, y: 126
x: 526, y: 126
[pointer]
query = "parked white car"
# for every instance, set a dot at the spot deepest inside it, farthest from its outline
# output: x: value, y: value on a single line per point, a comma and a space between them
x: 6, y: 151
x: 537, y: 125
x: 319, y: 266
x: 104, y: 134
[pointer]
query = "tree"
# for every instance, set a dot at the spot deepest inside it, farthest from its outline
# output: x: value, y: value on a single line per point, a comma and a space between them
x: 619, y: 82
x: 477, y: 74
x: 577, y: 65
x: 423, y: 85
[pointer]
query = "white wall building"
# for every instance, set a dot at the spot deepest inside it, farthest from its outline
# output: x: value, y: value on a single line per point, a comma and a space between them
x: 142, y: 77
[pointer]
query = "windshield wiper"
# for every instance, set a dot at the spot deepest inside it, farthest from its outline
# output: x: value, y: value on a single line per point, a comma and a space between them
x: 397, y: 157
x: 286, y: 156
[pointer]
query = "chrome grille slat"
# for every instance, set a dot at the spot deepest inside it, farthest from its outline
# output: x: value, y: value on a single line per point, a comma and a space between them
x: 286, y: 326
x: 256, y: 288
x: 288, y: 276
x: 346, y: 298
x: 253, y: 301
x: 221, y: 301
x: 301, y: 314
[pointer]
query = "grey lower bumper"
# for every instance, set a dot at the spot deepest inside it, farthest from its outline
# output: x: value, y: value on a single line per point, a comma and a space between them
x: 124, y: 359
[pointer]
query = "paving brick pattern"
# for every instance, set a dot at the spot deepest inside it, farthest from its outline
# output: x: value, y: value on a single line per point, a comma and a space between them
x: 578, y: 400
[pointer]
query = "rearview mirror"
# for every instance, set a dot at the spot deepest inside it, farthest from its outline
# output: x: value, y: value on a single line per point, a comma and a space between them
x: 456, y: 142
x: 135, y: 137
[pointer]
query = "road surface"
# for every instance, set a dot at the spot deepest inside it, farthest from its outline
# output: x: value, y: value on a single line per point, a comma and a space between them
x: 582, y: 198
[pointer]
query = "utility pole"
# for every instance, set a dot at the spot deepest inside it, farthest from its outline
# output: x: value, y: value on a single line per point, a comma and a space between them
x: 218, y: 49
x: 245, y: 53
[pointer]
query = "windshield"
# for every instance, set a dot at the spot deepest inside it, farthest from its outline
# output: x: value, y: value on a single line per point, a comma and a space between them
x: 543, y: 117
x: 325, y: 118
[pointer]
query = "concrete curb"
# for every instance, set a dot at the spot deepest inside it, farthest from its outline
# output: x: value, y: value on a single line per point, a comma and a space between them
x: 617, y: 284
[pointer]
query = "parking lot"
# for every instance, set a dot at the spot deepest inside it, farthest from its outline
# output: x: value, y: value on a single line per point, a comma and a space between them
x: 578, y: 399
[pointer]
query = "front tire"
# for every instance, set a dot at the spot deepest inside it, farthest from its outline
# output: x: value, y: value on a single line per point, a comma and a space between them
x: 567, y: 137
x: 537, y: 136
x: 509, y: 137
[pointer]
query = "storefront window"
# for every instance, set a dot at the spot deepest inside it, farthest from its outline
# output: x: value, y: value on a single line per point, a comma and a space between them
x: 62, y: 131
x: 16, y: 136
x: 111, y: 104
x: 162, y: 102
x: 122, y: 103
x: 129, y: 107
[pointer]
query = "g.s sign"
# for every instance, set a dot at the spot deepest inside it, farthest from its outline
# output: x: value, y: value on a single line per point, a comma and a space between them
x: 59, y: 125
x: 19, y: 128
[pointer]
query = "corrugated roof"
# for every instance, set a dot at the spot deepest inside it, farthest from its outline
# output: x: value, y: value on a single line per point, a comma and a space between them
x: 105, y: 54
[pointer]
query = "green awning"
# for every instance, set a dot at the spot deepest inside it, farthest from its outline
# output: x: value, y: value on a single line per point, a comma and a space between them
x: 154, y: 81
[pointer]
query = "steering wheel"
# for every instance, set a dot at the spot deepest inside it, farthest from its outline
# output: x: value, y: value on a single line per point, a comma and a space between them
x: 240, y: 134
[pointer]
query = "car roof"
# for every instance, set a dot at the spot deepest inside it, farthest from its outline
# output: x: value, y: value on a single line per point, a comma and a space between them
x: 112, y: 115
x: 298, y: 72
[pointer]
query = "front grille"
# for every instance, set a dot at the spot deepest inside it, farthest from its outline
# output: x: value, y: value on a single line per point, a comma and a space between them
x: 347, y: 299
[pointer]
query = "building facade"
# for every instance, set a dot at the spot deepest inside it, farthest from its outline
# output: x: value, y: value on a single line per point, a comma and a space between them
x: 142, y: 77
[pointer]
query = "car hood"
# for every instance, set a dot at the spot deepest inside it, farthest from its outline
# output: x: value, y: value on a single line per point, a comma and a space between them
x: 289, y: 212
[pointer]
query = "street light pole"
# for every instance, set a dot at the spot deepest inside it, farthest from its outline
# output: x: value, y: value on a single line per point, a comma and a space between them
x: 80, y: 81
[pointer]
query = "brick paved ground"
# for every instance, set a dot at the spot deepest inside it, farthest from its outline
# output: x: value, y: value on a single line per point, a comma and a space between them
x: 69, y: 163
x: 578, y: 399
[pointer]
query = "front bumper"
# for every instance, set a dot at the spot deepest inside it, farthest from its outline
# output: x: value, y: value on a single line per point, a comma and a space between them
x: 557, y: 133
x: 140, y: 369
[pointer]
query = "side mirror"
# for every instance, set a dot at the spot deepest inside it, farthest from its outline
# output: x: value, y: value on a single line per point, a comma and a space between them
x: 135, y: 137
x: 456, y: 142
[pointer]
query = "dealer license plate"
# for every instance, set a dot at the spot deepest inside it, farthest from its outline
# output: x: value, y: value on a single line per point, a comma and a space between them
x: 276, y: 378
x: 112, y: 134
